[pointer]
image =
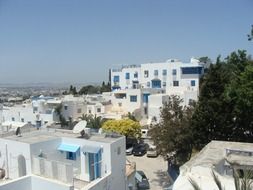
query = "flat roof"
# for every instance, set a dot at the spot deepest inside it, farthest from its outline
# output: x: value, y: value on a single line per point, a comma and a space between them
x: 215, y: 151
x: 46, y: 135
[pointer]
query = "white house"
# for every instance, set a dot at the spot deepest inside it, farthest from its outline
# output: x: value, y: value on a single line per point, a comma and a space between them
x: 216, y: 157
x: 95, y: 162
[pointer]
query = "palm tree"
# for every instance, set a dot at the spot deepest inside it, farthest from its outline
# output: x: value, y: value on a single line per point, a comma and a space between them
x: 93, y: 121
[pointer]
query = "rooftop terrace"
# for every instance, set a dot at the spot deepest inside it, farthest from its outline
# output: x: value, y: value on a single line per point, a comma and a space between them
x: 50, y: 134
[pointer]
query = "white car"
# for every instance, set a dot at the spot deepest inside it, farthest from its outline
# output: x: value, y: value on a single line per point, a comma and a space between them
x: 129, y: 150
x: 152, y: 152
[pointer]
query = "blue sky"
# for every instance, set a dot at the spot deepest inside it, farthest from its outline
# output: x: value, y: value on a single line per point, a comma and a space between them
x: 77, y: 41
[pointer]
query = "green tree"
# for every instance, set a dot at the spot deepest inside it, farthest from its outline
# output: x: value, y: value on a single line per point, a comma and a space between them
x: 204, y: 59
x: 240, y: 94
x: 126, y: 127
x: 89, y: 89
x: 72, y: 90
x: 131, y: 116
x: 173, y: 132
x: 105, y: 87
x: 58, y: 111
x: 93, y: 121
x: 215, y: 116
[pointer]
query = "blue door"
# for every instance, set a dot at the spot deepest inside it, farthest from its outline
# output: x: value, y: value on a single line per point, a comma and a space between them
x: 94, y: 165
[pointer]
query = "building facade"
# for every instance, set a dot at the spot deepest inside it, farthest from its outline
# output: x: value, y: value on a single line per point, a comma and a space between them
x: 169, y: 75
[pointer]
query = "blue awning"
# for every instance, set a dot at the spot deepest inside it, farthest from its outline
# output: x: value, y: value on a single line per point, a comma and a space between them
x: 91, y: 149
x: 68, y: 147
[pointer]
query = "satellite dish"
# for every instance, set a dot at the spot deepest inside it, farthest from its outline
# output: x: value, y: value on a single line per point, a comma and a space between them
x: 80, y: 126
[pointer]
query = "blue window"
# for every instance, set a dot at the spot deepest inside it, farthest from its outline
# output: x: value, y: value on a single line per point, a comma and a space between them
x: 156, y: 84
x: 148, y: 84
x: 164, y: 72
x: 116, y: 78
x: 175, y: 83
x: 174, y: 72
x: 133, y: 98
x: 193, y: 83
x: 156, y: 72
x: 145, y: 98
x: 164, y: 84
x: 135, y: 75
x: 71, y: 155
x: 192, y: 70
x: 127, y: 76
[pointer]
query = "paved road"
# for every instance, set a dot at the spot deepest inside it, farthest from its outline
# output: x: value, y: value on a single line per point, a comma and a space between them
x: 154, y: 168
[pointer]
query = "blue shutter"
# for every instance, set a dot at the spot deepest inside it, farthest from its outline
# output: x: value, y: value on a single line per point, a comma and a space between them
x: 98, y: 164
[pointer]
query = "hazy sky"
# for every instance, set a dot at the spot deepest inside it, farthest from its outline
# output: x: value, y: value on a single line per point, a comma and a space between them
x: 79, y: 40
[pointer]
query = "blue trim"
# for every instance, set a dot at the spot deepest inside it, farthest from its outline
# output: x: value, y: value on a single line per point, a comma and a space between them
x: 68, y: 147
x: 115, y: 87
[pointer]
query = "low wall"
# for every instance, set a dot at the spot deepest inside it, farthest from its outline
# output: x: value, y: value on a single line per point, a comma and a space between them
x: 34, y: 183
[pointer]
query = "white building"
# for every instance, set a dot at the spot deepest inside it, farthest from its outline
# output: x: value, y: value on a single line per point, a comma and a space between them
x: 38, y: 112
x: 172, y: 77
x: 167, y: 75
x: 59, y: 156
x: 126, y: 77
x: 132, y: 100
x: 73, y: 107
x: 154, y: 107
x: 214, y: 157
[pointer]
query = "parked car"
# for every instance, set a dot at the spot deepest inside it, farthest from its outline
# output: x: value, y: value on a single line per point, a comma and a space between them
x: 139, y: 149
x: 152, y: 151
x: 129, y: 149
x: 142, y: 180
